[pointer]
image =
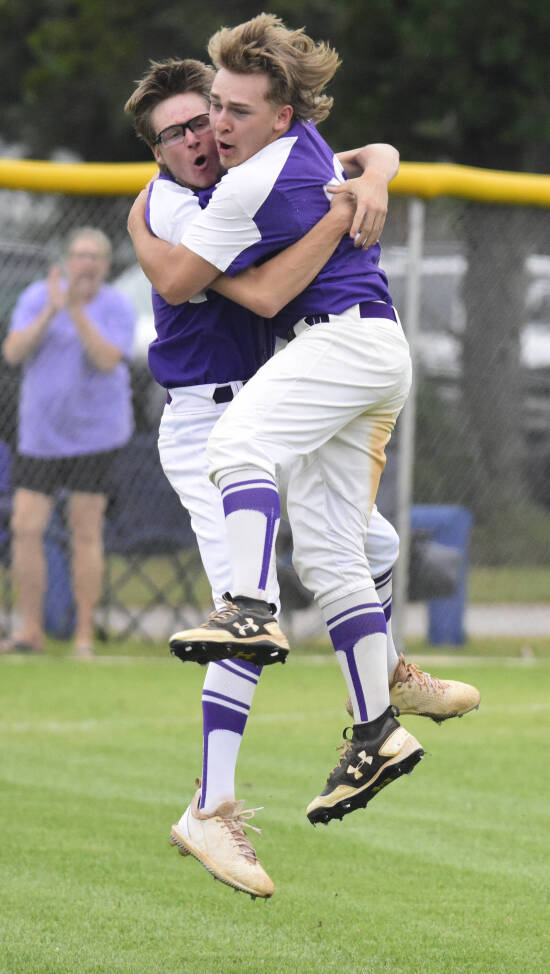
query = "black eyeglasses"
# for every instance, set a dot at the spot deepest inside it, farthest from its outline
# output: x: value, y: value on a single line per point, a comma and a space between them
x: 176, y: 133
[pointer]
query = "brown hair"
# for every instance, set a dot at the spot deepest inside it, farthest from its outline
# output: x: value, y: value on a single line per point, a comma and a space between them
x: 298, y: 68
x: 163, y: 79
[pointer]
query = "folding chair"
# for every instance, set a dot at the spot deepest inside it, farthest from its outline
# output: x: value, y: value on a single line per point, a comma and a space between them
x: 144, y: 518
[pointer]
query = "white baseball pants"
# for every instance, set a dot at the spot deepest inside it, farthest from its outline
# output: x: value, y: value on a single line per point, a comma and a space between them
x: 186, y: 424
x: 324, y: 408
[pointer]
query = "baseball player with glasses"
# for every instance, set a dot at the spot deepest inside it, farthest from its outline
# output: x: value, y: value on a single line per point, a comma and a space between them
x: 162, y: 112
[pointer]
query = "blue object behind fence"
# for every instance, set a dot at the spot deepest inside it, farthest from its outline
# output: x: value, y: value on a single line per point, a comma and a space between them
x: 59, y: 604
x: 448, y: 525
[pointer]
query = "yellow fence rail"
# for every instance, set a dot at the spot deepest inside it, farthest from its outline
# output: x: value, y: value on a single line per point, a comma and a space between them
x: 424, y: 180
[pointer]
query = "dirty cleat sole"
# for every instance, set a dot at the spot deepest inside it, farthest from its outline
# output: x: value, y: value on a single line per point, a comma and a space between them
x: 439, y: 718
x: 207, y: 651
x: 175, y: 840
x: 186, y: 848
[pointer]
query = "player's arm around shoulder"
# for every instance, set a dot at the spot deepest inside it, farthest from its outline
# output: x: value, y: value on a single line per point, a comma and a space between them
x: 370, y: 170
x: 266, y: 289
x: 379, y: 156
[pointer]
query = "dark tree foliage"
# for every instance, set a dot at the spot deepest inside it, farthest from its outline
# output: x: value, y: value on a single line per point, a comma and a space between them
x: 464, y: 81
x: 72, y: 64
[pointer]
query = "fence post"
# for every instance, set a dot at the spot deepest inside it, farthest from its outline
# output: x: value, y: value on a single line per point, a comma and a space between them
x: 407, y: 419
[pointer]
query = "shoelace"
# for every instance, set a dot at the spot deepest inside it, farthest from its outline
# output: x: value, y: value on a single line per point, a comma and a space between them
x: 237, y: 822
x: 415, y: 674
x: 221, y: 615
x: 344, y: 748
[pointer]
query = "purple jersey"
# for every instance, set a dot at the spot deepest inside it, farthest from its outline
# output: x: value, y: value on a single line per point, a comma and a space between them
x: 209, y: 338
x: 67, y: 407
x: 270, y: 201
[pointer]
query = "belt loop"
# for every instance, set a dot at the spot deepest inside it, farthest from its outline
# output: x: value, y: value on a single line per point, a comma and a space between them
x: 316, y: 319
x: 376, y: 309
x: 222, y: 394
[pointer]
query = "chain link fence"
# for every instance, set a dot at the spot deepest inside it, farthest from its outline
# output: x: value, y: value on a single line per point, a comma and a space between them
x: 479, y: 440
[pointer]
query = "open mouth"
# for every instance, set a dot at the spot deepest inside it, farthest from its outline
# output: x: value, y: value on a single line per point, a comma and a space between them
x: 200, y: 161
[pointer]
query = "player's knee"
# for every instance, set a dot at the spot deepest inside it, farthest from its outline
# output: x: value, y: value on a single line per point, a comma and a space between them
x: 302, y: 564
x: 382, y: 550
x: 224, y: 443
x: 330, y: 574
x: 391, y: 547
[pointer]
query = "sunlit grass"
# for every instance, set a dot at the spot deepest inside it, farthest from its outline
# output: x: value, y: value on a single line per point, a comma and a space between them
x: 446, y: 871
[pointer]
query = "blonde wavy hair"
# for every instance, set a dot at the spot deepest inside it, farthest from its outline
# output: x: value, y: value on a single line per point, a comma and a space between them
x: 299, y: 69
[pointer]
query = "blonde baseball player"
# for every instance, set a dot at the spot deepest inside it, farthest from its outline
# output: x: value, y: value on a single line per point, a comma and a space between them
x: 194, y: 407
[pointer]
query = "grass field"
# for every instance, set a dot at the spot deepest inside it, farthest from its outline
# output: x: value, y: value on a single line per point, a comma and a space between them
x: 446, y: 871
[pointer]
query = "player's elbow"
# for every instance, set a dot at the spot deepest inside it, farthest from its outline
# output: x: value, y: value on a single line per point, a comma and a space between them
x: 171, y: 294
x: 266, y: 305
x: 172, y: 289
x: 266, y: 308
x: 258, y: 304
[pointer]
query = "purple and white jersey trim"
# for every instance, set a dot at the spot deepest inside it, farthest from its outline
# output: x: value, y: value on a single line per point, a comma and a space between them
x: 226, y: 228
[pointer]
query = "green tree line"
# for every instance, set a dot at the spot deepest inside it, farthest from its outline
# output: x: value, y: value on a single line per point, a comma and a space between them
x: 465, y: 81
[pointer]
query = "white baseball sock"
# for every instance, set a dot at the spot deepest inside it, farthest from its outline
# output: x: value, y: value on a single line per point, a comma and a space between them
x: 383, y: 585
x: 252, y: 514
x: 226, y: 699
x: 357, y: 628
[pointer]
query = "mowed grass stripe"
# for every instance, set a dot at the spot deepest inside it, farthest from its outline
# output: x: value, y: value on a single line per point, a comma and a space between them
x: 446, y: 871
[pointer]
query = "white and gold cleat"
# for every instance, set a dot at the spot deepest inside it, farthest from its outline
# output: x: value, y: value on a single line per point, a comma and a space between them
x: 413, y: 691
x: 219, y: 842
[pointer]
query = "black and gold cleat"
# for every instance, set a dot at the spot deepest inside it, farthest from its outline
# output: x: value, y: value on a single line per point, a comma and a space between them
x: 377, y: 753
x: 244, y: 629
